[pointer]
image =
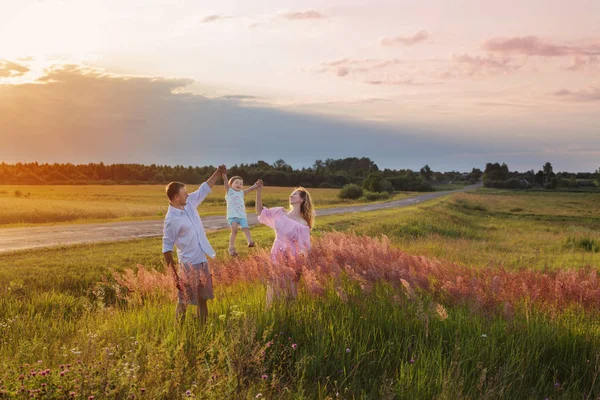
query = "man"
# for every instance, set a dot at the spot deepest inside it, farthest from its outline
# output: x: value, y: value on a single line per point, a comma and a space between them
x: 183, y: 228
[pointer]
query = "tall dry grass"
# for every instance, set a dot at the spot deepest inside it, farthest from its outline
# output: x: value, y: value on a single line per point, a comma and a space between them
x: 368, y: 261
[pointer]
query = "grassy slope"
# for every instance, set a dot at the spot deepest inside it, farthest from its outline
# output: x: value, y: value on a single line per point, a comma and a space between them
x: 372, y: 345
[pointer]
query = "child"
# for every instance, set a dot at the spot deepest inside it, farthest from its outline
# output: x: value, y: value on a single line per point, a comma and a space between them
x: 236, y: 209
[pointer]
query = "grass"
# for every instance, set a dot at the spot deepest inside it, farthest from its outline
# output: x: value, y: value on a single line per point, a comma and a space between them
x: 352, y: 341
x: 38, y: 204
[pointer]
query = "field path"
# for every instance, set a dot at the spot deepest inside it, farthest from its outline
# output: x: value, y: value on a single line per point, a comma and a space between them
x: 14, y: 239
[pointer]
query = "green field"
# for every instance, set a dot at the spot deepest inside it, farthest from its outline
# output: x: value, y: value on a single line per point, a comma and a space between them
x: 22, y: 205
x: 358, y: 333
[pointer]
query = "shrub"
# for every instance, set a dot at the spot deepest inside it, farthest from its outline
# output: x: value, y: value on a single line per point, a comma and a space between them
x: 585, y: 244
x: 374, y: 196
x: 351, y: 191
x: 386, y: 186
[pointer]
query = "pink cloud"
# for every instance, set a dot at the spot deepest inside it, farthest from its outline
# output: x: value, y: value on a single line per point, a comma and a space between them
x: 342, y: 71
x: 303, y: 15
x: 583, y: 62
x: 534, y: 46
x: 9, y: 69
x: 214, y: 18
x: 344, y: 66
x: 418, y: 37
x: 477, y: 66
x: 399, y: 82
x: 591, y: 94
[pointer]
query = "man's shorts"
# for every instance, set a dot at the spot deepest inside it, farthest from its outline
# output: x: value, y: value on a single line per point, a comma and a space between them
x: 196, y: 283
x: 243, y: 222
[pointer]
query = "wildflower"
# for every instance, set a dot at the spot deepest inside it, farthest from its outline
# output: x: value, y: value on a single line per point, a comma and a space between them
x: 412, y: 361
x: 294, y: 346
x: 91, y: 398
x: 143, y: 390
x: 347, y: 350
x: 72, y: 394
x: 484, y: 336
x: 258, y: 396
x: 556, y: 385
x: 188, y: 393
x: 265, y: 376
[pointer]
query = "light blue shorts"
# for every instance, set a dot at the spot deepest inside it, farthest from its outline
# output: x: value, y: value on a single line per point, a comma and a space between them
x: 243, y: 222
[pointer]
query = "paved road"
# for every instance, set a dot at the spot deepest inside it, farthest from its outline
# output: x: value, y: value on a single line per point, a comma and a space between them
x: 13, y: 239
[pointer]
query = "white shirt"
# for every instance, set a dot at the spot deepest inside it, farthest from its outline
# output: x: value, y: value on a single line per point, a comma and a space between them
x: 236, y: 208
x: 184, y: 229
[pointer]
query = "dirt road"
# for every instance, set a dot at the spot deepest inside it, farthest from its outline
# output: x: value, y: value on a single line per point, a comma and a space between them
x: 14, y: 239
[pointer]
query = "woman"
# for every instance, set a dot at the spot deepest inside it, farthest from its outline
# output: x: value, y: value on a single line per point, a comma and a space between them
x: 292, y: 233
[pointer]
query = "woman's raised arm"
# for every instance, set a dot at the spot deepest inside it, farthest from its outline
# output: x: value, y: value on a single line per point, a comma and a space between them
x: 259, y: 204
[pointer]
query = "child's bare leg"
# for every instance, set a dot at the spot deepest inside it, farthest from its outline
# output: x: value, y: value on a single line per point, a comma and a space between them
x: 248, y: 236
x: 234, y: 230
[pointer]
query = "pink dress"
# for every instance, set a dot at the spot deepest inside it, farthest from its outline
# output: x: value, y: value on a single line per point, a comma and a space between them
x: 291, y: 237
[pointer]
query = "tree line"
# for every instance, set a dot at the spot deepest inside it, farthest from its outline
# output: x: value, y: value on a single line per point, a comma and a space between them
x: 329, y: 173
x: 497, y: 175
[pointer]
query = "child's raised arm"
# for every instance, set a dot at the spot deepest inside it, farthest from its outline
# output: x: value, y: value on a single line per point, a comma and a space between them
x: 251, y: 188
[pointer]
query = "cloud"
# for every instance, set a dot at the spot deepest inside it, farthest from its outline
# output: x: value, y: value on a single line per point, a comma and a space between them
x: 9, y: 69
x: 374, y: 71
x: 239, y: 97
x: 583, y: 62
x: 303, y: 15
x: 418, y: 37
x: 345, y: 66
x: 77, y: 114
x: 214, y: 18
x: 591, y: 94
x: 468, y: 66
x: 535, y: 46
x: 399, y: 82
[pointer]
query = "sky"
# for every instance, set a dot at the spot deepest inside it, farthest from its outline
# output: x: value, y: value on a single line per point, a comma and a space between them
x: 449, y: 83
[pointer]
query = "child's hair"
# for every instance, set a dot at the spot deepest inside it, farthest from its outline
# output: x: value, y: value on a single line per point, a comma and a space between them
x: 233, y: 178
x: 306, y: 209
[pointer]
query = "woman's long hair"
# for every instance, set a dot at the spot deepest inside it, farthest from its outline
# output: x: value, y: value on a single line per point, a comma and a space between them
x: 306, y: 209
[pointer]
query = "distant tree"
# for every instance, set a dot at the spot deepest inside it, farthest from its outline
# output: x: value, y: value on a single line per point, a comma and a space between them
x: 475, y: 174
x: 548, y: 172
x: 426, y: 172
x: 281, y: 165
x: 598, y: 176
x: 495, y: 172
x: 373, y: 182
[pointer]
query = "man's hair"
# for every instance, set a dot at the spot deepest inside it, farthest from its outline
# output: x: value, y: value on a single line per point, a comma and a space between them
x: 173, y: 189
x: 233, y: 178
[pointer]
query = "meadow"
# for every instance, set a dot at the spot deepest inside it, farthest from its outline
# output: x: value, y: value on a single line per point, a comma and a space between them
x: 24, y: 205
x: 484, y: 295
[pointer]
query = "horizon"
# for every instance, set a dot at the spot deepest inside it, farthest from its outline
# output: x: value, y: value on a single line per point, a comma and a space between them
x: 298, y: 168
x: 406, y: 84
